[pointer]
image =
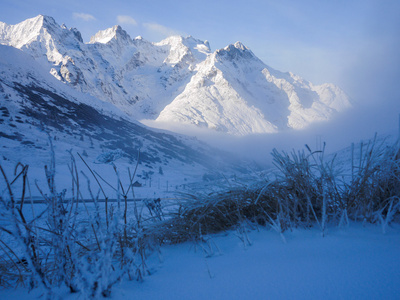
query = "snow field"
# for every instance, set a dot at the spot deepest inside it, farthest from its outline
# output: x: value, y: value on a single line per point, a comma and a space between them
x: 354, y: 262
x: 350, y: 263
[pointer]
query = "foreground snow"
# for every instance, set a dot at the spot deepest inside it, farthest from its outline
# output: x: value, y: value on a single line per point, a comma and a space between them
x: 355, y: 262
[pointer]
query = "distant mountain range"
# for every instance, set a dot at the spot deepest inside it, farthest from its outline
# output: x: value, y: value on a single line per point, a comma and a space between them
x: 176, y: 80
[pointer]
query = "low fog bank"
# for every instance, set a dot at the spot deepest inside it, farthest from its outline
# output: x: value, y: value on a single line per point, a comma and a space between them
x: 356, y: 124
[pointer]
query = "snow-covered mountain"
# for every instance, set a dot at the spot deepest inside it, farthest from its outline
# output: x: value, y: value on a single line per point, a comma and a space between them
x: 137, y: 76
x: 233, y: 91
x: 34, y: 104
x: 178, y: 79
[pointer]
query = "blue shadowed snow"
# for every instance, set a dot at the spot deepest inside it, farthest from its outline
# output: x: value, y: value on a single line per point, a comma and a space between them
x: 350, y: 263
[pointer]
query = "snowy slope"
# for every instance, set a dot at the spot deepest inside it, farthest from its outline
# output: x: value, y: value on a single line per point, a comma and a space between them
x: 32, y: 103
x: 137, y: 76
x: 233, y: 91
x: 178, y: 79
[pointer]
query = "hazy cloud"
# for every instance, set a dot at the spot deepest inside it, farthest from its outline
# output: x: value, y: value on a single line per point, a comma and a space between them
x: 126, y: 20
x: 160, y: 29
x: 84, y: 17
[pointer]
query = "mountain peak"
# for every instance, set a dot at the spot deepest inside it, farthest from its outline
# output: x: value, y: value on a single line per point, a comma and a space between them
x: 190, y: 42
x: 28, y: 31
x: 36, y: 23
x: 171, y: 40
x: 236, y: 51
x: 47, y: 20
x: 184, y: 48
x: 40, y: 21
x: 39, y: 18
x: 104, y: 36
x: 181, y: 46
x: 239, y: 45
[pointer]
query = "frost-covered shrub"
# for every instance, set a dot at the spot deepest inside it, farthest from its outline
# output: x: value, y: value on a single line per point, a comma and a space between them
x: 109, y: 157
x: 374, y: 188
x: 306, y: 188
x: 65, y: 245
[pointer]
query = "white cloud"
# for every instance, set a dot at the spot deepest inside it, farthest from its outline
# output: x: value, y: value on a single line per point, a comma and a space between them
x: 160, y: 29
x: 126, y: 20
x: 83, y: 16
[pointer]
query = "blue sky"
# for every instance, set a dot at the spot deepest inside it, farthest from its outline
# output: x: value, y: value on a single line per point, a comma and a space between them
x: 354, y: 44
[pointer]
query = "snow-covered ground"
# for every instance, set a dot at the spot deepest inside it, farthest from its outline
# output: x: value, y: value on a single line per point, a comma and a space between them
x: 355, y: 262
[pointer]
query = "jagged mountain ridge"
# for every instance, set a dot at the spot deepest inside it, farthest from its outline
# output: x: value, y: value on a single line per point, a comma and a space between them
x: 135, y: 75
x: 178, y: 79
x: 246, y: 96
